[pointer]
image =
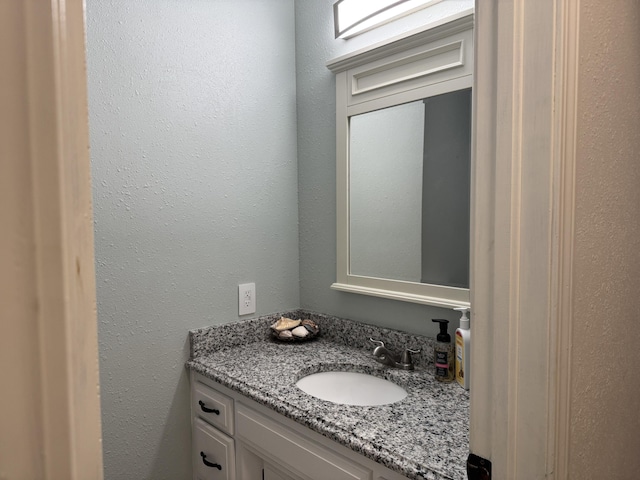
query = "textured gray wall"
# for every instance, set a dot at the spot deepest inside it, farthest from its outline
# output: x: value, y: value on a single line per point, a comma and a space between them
x: 193, y: 147
x: 315, y: 45
x: 604, y: 441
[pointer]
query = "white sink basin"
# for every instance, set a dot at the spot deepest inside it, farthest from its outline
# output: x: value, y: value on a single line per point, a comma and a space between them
x: 351, y: 388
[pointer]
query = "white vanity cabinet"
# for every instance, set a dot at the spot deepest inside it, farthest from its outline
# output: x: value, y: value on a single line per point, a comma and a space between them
x: 251, y: 442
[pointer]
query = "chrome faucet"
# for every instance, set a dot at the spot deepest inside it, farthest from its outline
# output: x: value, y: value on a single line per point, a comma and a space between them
x: 382, y: 355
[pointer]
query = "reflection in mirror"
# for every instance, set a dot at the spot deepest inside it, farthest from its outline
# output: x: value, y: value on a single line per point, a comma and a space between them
x: 385, y: 188
x: 409, y: 191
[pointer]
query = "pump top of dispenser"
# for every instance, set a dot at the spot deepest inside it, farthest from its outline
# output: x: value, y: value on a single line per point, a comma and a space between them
x: 443, y: 336
x: 464, y: 320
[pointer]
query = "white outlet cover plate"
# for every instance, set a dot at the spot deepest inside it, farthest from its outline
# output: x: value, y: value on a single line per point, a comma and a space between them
x: 246, y: 298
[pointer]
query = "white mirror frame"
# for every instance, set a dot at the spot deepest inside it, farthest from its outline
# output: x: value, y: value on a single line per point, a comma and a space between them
x: 432, y: 60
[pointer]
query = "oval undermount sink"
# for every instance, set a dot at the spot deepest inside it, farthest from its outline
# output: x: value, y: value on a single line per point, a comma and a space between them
x: 351, y: 388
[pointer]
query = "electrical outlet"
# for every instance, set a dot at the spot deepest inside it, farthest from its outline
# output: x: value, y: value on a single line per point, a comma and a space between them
x: 246, y: 298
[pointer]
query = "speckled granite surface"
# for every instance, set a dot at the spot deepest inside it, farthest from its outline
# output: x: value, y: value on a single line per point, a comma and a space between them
x: 424, y: 436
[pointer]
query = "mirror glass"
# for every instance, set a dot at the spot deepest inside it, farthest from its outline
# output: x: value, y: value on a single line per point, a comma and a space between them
x: 409, y: 191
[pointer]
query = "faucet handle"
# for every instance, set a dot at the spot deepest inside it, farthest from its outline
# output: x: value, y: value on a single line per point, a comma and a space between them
x: 379, y: 342
x: 406, y: 356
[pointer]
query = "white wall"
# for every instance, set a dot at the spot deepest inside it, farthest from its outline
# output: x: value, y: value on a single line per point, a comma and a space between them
x: 193, y: 147
x: 605, y: 392
x: 315, y: 45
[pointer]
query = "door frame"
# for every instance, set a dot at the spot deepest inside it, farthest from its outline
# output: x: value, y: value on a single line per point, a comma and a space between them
x: 523, y: 213
x: 51, y: 415
x: 524, y: 138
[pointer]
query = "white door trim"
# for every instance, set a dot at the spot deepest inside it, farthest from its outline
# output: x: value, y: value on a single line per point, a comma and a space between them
x: 62, y: 428
x: 521, y: 266
x: 565, y: 143
x: 526, y: 70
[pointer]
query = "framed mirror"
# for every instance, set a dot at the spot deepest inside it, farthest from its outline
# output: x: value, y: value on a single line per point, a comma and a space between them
x: 403, y: 111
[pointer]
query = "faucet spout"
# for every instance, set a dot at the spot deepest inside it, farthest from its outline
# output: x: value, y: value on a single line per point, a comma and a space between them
x: 384, y: 356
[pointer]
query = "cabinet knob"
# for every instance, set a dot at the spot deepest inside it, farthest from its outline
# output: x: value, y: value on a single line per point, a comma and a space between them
x: 208, y: 410
x: 209, y: 464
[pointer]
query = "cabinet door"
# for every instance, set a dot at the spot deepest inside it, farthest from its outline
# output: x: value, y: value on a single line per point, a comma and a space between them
x: 251, y: 466
x: 269, y: 473
x: 212, y: 406
x: 300, y: 455
x: 213, y: 453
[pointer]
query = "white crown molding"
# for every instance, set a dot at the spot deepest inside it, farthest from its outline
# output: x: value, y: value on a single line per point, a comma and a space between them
x: 428, y: 33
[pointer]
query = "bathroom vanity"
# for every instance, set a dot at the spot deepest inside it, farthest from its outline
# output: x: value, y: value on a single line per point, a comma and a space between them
x: 244, y: 439
x: 251, y: 421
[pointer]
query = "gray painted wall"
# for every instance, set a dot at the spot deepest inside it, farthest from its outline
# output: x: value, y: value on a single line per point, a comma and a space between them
x: 193, y: 147
x: 315, y: 45
x: 447, y: 189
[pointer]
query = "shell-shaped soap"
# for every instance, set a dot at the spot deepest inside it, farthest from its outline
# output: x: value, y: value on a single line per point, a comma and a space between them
x: 310, y: 326
x: 285, y: 334
x: 285, y: 324
x: 300, y: 332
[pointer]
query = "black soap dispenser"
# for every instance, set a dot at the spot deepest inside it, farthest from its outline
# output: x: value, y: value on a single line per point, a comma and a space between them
x: 443, y: 354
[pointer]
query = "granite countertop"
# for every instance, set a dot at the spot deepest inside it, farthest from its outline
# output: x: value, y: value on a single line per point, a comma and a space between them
x: 424, y: 436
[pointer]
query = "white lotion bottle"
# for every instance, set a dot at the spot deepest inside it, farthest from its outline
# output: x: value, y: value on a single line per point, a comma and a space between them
x: 463, y: 349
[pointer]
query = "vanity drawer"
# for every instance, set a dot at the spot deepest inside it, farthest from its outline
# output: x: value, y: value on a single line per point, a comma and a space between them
x: 213, y: 407
x: 293, y: 451
x: 213, y: 453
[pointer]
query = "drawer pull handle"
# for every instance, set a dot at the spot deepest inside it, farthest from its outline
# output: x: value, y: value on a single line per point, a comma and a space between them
x: 209, y: 464
x: 208, y: 410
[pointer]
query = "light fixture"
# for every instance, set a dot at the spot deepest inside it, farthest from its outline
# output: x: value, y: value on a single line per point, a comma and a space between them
x: 351, y: 17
